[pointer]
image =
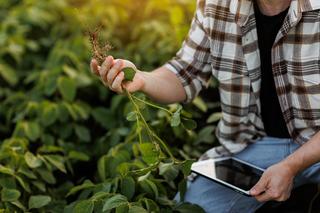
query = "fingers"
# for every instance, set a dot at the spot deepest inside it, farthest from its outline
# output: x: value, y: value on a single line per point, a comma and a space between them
x: 116, y: 85
x: 113, y: 72
x: 94, y: 67
x: 260, y: 187
x: 110, y: 73
x: 272, y: 195
x: 105, y: 68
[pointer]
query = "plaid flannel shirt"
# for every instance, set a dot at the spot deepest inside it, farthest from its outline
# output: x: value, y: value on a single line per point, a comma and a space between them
x: 222, y: 42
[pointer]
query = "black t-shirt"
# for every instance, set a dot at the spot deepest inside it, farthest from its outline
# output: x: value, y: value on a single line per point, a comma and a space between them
x: 268, y: 28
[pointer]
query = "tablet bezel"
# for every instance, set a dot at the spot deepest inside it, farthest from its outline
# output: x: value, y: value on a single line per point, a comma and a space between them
x: 233, y: 187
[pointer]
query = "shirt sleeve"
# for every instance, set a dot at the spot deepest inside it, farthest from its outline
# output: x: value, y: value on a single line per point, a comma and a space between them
x: 192, y: 62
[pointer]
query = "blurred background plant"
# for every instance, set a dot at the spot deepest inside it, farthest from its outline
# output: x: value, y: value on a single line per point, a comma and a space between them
x: 62, y: 132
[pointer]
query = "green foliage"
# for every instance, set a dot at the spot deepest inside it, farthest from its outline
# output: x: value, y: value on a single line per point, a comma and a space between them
x: 66, y: 145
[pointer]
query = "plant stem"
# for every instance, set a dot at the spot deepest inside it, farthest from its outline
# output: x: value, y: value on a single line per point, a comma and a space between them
x: 163, y: 144
x: 152, y: 105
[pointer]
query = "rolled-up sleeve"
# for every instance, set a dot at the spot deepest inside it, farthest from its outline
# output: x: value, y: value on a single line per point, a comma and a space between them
x: 192, y: 62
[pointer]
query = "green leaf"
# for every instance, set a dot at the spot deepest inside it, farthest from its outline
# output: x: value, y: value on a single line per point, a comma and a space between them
x: 85, y: 206
x: 47, y: 176
x: 114, y: 202
x: 5, y: 170
x: 132, y: 116
x: 149, y: 153
x: 19, y: 205
x: 27, y: 172
x: 9, y: 195
x: 182, y: 186
x: 67, y: 87
x: 40, y: 185
x: 200, y: 104
x: 50, y: 85
x: 78, y: 156
x: 104, y: 117
x: 175, y: 119
x: 49, y: 114
x: 32, y: 161
x: 168, y: 170
x: 186, y: 167
x: 137, y: 209
x: 8, y: 74
x: 129, y: 73
x: 102, y: 167
x: 57, y: 161
x: 150, y: 187
x: 38, y: 201
x: 23, y: 183
x: 32, y: 130
x: 214, y: 117
x: 189, y: 124
x: 189, y: 208
x: 86, y: 185
x: 206, y: 135
x: 128, y: 187
x: 83, y: 133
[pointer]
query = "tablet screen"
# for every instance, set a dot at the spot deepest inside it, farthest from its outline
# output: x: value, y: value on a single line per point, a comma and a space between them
x: 236, y: 173
x: 230, y: 171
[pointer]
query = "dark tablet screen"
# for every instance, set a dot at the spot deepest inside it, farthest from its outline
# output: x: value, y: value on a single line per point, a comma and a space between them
x: 236, y: 173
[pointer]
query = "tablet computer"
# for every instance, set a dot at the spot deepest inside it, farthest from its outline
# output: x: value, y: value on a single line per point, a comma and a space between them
x: 230, y: 172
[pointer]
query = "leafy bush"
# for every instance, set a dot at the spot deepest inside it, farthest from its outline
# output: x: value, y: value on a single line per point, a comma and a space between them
x: 66, y: 144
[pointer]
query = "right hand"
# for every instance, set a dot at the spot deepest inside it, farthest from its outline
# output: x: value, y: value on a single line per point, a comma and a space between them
x: 111, y: 75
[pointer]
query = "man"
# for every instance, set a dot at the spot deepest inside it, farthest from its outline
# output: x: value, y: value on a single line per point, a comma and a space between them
x: 266, y: 56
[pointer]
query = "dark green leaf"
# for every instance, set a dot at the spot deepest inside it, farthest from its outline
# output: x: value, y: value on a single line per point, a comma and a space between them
x: 57, y: 161
x: 8, y: 74
x: 189, y: 124
x: 168, y: 170
x: 189, y: 208
x: 47, y: 176
x: 78, y: 156
x: 9, y: 195
x: 186, y: 167
x: 128, y: 187
x: 85, y: 206
x: 38, y: 201
x: 83, y: 133
x: 67, y: 87
x: 137, y: 209
x: 49, y: 114
x: 114, y: 202
x: 86, y: 185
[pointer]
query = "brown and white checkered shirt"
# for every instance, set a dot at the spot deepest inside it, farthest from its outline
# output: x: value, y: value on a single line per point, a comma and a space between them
x: 223, y: 42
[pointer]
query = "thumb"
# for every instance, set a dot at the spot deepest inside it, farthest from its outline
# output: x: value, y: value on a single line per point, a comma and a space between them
x: 259, y: 187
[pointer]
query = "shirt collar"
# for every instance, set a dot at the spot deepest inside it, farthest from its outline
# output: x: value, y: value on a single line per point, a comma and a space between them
x: 243, y: 9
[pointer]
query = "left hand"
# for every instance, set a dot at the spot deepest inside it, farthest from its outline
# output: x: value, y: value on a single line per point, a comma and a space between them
x: 275, y: 184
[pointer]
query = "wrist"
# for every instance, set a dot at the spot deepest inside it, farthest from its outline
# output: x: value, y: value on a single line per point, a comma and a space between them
x: 291, y: 165
x: 143, y: 76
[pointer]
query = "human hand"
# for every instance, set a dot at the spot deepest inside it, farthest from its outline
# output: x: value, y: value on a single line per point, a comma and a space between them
x: 275, y: 184
x: 111, y: 75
